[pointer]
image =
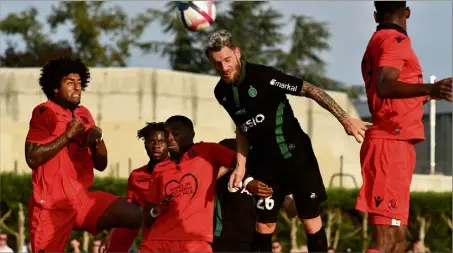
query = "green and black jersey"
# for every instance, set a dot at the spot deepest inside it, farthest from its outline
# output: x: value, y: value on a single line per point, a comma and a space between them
x: 259, y: 106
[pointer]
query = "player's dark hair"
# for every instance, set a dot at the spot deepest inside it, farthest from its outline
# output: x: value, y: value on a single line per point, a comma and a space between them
x: 150, y: 128
x: 217, y: 40
x: 229, y: 143
x: 55, y: 70
x: 183, y: 120
x: 388, y: 7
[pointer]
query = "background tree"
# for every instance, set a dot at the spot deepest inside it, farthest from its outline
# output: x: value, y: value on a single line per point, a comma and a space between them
x: 102, y: 36
x: 257, y: 29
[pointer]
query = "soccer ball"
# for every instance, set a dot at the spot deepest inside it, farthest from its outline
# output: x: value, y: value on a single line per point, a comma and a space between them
x: 197, y: 15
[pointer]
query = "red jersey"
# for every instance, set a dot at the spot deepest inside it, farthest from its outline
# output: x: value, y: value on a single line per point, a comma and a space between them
x: 137, y: 192
x: 192, y: 184
x: 399, y: 119
x: 58, y: 182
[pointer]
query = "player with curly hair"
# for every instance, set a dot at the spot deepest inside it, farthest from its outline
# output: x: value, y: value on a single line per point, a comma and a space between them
x: 63, y: 147
x: 153, y: 135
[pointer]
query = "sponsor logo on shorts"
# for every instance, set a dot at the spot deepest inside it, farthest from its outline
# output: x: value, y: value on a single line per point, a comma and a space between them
x: 286, y: 86
x: 378, y: 200
x: 392, y: 204
x: 252, y: 122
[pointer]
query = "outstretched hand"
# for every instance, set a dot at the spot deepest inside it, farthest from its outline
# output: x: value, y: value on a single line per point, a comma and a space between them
x: 356, y: 128
x: 236, y: 178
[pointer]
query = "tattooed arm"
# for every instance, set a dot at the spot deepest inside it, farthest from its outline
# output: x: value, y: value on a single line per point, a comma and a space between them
x: 287, y: 84
x: 352, y: 126
x: 323, y: 99
x: 37, y: 154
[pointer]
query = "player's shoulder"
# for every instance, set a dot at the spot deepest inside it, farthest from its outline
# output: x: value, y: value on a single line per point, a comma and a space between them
x: 219, y: 89
x: 208, y: 148
x: 205, y: 145
x: 138, y: 175
x: 390, y: 38
x: 83, y: 110
x: 44, y: 105
x: 44, y: 109
x: 255, y: 67
x: 139, y: 171
x: 163, y: 166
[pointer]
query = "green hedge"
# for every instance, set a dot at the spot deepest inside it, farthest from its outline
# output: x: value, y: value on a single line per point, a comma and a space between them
x: 435, y: 208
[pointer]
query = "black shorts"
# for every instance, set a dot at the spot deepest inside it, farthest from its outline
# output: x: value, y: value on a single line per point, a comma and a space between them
x: 231, y: 246
x: 298, y: 175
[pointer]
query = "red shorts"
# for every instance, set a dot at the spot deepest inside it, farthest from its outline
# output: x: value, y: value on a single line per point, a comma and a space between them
x: 51, y: 228
x: 387, y: 168
x: 175, y: 246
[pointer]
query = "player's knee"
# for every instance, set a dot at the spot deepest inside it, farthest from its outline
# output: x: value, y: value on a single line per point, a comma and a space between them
x: 312, y: 225
x: 265, y: 228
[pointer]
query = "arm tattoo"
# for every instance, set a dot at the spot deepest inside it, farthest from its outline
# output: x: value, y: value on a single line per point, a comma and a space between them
x: 36, y: 154
x: 324, y: 100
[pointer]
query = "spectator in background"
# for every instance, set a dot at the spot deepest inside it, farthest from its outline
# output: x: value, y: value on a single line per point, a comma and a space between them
x: 419, y: 247
x: 276, y: 247
x: 96, y: 245
x: 29, y: 247
x: 3, y: 243
x: 75, y: 246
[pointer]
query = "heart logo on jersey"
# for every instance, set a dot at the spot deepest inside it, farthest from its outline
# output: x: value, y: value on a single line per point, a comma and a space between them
x: 252, y: 92
x: 187, y: 185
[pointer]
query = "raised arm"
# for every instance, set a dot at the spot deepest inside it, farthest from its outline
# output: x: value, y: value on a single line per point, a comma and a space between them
x: 39, y: 145
x: 323, y: 99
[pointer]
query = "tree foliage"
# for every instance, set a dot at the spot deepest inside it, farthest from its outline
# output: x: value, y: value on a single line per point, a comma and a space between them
x: 435, y: 207
x: 101, y: 35
x: 257, y: 29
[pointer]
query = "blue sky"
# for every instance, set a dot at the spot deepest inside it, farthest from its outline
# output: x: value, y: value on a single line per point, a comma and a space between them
x: 350, y: 22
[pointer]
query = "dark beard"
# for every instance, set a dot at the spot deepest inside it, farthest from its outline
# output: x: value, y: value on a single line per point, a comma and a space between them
x: 237, y: 74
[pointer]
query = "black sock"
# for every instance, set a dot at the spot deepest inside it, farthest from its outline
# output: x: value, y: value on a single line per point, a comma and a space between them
x: 317, y: 242
x: 262, y: 242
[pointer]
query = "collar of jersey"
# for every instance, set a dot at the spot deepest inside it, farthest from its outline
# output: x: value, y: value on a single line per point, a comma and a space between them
x: 242, y: 75
x: 66, y: 110
x: 391, y: 26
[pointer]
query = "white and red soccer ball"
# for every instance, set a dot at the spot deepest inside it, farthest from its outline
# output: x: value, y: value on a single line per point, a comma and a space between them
x: 197, y: 15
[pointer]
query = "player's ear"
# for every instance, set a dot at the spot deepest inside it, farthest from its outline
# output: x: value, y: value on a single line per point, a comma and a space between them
x: 407, y: 12
x: 375, y: 17
x: 237, y: 52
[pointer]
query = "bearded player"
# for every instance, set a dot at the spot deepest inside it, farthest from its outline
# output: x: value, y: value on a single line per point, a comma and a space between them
x: 281, y: 154
x: 153, y: 136
x: 396, y: 94
x: 62, y: 147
